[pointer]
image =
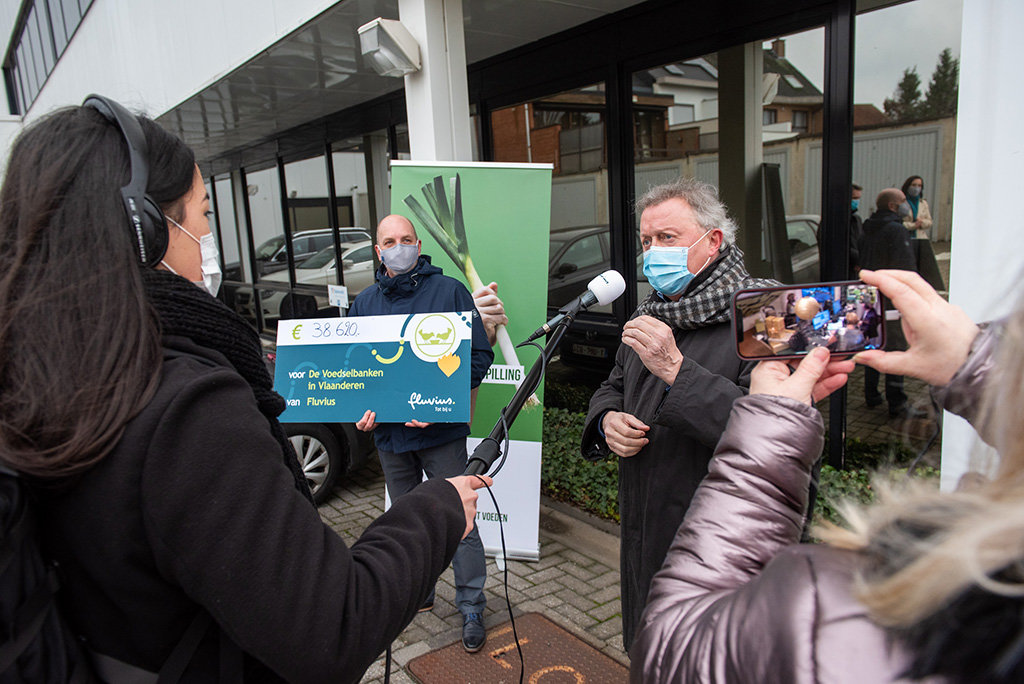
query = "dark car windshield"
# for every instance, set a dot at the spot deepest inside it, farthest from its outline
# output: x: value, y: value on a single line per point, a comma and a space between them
x: 320, y: 259
x: 269, y: 248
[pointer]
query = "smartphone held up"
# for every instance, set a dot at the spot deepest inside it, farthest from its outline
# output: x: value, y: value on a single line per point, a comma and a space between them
x: 788, y: 321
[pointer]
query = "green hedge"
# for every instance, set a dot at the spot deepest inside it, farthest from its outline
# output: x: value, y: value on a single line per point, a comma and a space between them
x: 855, y: 485
x: 566, y: 476
x: 594, y: 487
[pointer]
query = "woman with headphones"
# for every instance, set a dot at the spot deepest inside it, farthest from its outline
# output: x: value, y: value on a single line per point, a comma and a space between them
x: 138, y: 409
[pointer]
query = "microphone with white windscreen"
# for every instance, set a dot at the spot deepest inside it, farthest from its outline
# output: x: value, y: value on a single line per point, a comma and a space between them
x: 604, y: 289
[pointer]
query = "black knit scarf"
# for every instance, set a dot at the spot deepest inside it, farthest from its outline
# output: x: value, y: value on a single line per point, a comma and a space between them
x: 708, y: 297
x: 186, y: 310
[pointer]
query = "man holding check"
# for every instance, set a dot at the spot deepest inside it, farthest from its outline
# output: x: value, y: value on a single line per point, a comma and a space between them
x: 408, y: 283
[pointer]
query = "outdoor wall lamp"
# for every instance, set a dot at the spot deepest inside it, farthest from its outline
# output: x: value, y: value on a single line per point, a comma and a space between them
x: 389, y: 47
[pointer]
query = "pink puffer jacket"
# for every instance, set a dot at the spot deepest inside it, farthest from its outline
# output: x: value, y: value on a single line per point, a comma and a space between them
x: 738, y: 600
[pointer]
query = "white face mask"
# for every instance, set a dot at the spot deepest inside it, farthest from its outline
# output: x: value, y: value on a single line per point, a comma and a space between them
x: 211, y: 262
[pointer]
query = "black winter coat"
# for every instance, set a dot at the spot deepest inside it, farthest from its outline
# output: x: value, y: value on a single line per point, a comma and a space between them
x: 195, y: 510
x: 886, y: 243
x: 657, y: 484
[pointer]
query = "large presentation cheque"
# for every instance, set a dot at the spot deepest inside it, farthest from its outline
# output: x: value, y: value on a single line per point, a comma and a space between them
x: 405, y: 367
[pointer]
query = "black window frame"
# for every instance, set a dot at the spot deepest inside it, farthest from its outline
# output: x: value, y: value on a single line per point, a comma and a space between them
x: 315, y: 139
x: 33, y: 50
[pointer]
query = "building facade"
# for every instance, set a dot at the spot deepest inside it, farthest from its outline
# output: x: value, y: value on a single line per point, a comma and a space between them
x: 293, y: 129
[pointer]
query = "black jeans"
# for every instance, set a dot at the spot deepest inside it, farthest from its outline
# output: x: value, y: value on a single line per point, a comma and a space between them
x: 894, y: 394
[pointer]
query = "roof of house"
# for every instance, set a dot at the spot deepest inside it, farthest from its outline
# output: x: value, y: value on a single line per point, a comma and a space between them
x: 793, y: 84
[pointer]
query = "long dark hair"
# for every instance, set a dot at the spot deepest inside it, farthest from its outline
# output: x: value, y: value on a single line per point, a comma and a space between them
x: 906, y: 185
x: 79, y: 343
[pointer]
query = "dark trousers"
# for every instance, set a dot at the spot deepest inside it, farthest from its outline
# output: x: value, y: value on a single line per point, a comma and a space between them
x: 402, y: 472
x: 894, y: 394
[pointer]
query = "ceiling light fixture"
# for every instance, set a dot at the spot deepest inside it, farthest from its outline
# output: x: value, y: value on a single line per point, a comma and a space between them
x: 389, y: 47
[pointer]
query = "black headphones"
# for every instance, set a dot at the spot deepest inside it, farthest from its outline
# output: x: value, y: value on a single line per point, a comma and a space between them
x: 147, y: 221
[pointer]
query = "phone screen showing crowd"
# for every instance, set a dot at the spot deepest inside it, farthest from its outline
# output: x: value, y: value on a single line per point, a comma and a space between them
x: 789, y: 321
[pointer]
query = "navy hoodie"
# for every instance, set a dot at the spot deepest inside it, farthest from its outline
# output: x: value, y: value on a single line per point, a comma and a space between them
x: 424, y: 289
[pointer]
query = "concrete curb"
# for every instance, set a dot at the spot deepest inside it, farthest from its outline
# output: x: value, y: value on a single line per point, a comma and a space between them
x: 580, y: 531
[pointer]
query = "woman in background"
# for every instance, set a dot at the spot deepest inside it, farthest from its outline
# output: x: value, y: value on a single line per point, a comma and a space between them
x: 850, y: 336
x: 137, y: 408
x: 925, y: 585
x: 919, y: 221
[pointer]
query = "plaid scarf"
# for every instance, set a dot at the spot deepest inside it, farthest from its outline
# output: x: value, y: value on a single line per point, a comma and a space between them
x: 708, y: 297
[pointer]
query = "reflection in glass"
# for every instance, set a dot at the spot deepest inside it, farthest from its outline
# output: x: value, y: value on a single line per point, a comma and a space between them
x: 890, y: 144
x: 306, y: 185
x: 567, y: 130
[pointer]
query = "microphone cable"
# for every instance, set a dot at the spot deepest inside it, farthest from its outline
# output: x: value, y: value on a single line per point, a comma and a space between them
x: 504, y: 557
x: 503, y: 448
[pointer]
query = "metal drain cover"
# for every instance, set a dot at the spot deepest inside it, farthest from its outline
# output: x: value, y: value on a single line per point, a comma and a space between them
x: 552, y: 656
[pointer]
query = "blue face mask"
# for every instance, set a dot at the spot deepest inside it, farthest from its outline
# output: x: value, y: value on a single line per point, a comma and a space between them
x: 666, y: 268
x: 854, y: 204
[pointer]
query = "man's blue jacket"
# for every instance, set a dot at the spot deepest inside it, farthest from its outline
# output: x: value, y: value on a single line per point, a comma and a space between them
x: 424, y: 289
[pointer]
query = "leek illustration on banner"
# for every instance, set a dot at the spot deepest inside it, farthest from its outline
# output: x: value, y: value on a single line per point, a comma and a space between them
x: 445, y: 224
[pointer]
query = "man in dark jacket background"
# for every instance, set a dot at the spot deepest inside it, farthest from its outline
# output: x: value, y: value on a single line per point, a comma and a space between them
x: 856, y: 229
x: 676, y: 375
x: 886, y: 244
x: 408, y: 283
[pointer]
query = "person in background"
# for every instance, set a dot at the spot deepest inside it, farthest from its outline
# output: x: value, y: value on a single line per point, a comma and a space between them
x: 870, y: 323
x: 407, y: 282
x: 886, y: 244
x: 138, y: 409
x: 856, y: 230
x: 924, y: 586
x: 850, y: 336
x: 676, y: 374
x: 919, y: 220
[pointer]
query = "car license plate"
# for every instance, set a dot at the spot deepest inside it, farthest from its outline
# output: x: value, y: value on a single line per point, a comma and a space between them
x: 587, y: 350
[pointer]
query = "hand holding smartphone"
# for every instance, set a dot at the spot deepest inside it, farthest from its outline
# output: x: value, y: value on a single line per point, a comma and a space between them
x: 788, y: 321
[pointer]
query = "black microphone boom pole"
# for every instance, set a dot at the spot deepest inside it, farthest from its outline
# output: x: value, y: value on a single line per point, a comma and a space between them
x: 487, y: 452
x: 603, y: 289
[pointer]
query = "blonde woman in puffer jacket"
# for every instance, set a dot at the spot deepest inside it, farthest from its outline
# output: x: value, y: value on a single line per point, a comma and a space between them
x: 925, y: 586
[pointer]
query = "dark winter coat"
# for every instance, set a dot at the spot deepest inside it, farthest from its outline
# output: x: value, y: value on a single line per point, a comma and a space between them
x: 656, y: 485
x: 424, y: 289
x: 856, y: 233
x: 195, y: 510
x: 886, y: 243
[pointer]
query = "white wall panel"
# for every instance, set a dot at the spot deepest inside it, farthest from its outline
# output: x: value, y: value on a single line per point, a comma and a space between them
x: 988, y: 243
x: 882, y: 159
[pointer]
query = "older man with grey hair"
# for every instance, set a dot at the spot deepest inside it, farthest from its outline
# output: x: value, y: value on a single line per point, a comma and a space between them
x: 676, y: 375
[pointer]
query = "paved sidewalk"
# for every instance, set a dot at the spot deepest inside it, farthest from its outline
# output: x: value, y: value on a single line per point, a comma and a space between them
x: 575, y: 583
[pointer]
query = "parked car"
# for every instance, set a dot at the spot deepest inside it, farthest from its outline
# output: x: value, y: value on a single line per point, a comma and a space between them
x: 272, y: 255
x: 319, y: 269
x: 802, y: 232
x: 577, y: 255
x: 326, y: 451
x: 592, y: 341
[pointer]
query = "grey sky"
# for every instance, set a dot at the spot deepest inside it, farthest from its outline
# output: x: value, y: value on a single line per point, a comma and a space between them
x: 888, y: 41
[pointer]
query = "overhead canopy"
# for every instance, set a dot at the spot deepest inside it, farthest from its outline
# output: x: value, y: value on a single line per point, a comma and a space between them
x: 318, y: 70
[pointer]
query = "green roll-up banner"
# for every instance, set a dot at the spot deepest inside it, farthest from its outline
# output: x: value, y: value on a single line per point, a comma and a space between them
x: 482, y: 223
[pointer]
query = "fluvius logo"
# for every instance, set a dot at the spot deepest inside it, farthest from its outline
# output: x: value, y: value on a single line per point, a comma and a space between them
x: 417, y: 399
